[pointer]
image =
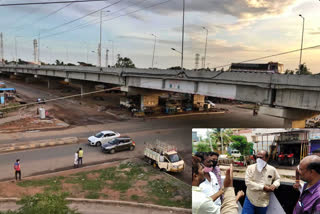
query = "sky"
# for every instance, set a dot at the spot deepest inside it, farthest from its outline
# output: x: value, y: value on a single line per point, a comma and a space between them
x: 238, y: 30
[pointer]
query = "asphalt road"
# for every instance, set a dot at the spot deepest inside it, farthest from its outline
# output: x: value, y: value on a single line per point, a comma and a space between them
x: 61, y: 157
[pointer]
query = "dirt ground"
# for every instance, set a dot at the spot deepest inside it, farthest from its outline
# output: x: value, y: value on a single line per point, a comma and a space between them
x: 128, y: 181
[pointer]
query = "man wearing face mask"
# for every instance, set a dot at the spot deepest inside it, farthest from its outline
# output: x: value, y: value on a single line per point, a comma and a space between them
x: 261, y: 179
x: 201, y: 204
x: 210, y: 185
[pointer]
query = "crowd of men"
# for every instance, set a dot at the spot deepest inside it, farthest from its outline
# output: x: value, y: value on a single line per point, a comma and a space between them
x: 210, y: 196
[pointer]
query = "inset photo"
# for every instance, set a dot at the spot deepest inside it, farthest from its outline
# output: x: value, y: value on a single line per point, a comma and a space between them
x: 255, y: 170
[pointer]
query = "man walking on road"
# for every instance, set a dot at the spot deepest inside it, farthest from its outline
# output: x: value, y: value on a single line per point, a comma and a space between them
x: 261, y: 179
x: 80, y: 156
x: 17, y: 169
x: 309, y: 200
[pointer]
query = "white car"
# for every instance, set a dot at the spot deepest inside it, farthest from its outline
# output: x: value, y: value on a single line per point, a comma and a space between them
x: 235, y: 153
x: 210, y: 103
x: 102, y: 137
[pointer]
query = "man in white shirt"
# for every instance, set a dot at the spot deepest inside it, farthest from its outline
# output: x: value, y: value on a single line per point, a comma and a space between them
x: 210, y: 185
x: 261, y: 179
x: 201, y: 204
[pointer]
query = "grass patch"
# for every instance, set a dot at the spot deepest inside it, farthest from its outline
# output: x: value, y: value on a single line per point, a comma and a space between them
x: 92, y: 195
x: 121, y: 185
x: 91, y: 185
x: 107, y: 174
x: 50, y: 184
x: 163, y: 193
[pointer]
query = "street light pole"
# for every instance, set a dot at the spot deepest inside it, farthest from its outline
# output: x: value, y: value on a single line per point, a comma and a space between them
x: 112, y: 53
x: 205, y: 49
x: 182, y: 35
x: 301, y: 44
x: 99, y: 48
x: 15, y: 48
x: 154, y: 48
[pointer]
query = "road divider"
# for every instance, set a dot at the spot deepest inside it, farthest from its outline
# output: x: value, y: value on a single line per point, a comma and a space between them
x: 4, y: 148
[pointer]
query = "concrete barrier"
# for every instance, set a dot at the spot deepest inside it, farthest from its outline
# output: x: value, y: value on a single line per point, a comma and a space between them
x: 38, y: 144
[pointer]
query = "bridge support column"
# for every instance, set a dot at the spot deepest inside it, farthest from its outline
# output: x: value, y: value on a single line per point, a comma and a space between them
x: 52, y: 84
x: 28, y: 80
x: 293, y: 118
x: 85, y: 88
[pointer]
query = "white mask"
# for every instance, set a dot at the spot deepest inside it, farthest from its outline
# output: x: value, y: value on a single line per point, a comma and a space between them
x: 260, y: 164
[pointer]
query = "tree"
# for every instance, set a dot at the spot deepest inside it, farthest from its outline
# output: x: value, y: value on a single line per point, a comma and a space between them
x: 219, y: 135
x: 175, y: 68
x: 59, y: 63
x: 240, y: 143
x: 304, y: 70
x: 43, y: 203
x: 124, y: 62
x: 203, y: 147
x: 289, y: 71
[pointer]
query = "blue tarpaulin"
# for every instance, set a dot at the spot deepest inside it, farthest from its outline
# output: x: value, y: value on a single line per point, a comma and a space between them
x: 7, y: 89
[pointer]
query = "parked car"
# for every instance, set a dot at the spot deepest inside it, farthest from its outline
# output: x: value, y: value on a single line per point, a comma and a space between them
x: 235, y: 153
x: 119, y: 144
x: 212, y: 105
x: 102, y: 137
x: 41, y: 101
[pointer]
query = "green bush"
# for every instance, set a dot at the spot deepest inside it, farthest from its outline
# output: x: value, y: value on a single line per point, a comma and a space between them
x: 47, y: 203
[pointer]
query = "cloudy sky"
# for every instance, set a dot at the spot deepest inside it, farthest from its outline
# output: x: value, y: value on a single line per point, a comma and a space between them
x: 238, y: 30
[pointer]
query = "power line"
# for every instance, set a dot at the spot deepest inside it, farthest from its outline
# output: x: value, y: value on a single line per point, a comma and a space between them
x: 83, y: 16
x: 264, y: 57
x: 83, y: 26
x: 53, y: 2
x: 21, y: 27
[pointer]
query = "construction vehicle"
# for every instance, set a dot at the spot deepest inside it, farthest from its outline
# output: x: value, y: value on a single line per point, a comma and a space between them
x: 163, y: 156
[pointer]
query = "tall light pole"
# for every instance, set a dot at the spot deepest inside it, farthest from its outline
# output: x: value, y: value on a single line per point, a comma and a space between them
x: 112, y: 52
x: 107, y: 58
x: 205, y: 48
x: 182, y: 35
x: 301, y: 43
x: 154, y: 48
x: 1, y: 49
x: 100, y: 44
x: 15, y: 47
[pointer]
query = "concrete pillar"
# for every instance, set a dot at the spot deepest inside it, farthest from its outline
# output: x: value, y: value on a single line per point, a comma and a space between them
x: 141, y: 102
x: 52, y: 84
x: 84, y: 88
x: 28, y: 80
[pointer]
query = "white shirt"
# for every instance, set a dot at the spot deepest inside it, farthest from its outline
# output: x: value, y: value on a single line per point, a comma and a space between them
x: 76, y: 158
x: 211, y: 188
x: 201, y: 204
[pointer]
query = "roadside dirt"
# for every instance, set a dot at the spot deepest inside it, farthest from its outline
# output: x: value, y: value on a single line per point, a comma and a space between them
x: 126, y: 181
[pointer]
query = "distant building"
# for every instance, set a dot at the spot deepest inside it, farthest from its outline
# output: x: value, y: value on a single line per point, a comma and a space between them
x: 270, y: 67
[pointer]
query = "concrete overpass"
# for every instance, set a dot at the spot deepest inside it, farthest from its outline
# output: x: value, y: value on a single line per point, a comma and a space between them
x: 292, y: 97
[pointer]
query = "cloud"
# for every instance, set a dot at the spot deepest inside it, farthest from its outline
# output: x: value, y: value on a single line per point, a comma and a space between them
x: 244, y: 9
